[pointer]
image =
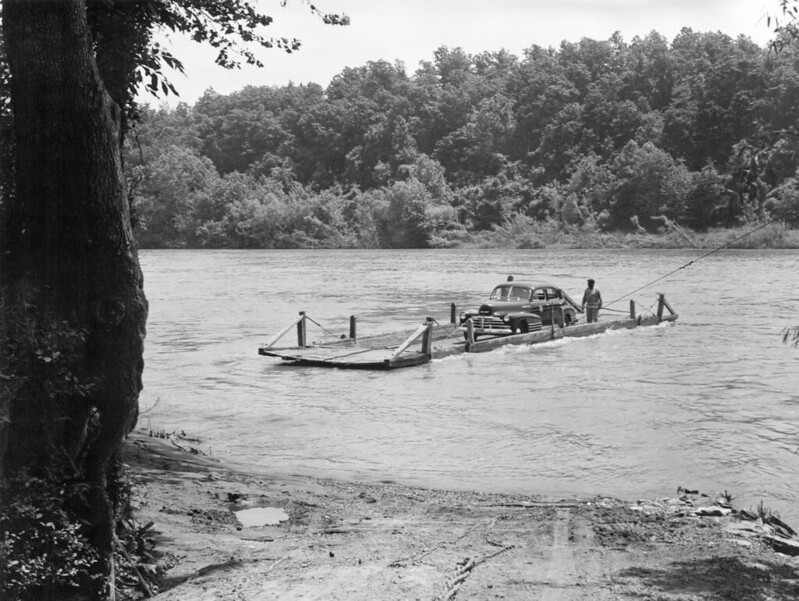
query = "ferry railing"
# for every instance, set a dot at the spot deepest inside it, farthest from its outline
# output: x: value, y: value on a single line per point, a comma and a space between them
x: 302, y: 331
x: 664, y: 304
x: 425, y: 331
x: 299, y: 322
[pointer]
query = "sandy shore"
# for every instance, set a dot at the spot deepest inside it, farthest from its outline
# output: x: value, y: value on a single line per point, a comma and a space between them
x: 351, y: 541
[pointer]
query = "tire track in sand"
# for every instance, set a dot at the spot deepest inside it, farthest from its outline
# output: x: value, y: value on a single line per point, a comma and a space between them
x: 561, y: 575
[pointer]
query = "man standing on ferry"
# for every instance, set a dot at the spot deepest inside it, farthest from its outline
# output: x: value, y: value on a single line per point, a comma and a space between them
x: 592, y: 302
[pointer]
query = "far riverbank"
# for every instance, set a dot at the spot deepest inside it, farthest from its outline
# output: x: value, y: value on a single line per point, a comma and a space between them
x: 551, y: 234
x: 769, y: 235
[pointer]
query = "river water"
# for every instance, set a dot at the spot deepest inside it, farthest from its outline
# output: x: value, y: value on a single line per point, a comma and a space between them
x: 710, y: 402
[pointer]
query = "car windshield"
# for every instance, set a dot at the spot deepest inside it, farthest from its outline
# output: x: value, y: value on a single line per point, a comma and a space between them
x: 509, y: 292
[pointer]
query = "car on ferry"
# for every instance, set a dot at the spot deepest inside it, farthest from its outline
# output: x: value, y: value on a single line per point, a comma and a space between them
x: 521, y: 307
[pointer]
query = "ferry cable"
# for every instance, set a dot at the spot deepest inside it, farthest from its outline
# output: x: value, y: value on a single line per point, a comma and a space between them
x: 333, y: 334
x: 449, y: 333
x: 689, y: 263
x: 626, y: 312
x: 649, y: 309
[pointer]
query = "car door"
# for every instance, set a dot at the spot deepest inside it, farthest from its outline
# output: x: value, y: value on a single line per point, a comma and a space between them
x: 550, y: 307
x: 556, y: 302
x: 538, y: 300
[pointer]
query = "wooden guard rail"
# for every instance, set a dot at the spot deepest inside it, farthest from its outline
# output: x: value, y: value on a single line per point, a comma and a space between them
x: 664, y: 304
x: 302, y: 331
x: 426, y: 331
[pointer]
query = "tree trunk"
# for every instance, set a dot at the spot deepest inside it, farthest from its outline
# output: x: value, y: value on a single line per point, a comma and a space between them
x: 73, y: 306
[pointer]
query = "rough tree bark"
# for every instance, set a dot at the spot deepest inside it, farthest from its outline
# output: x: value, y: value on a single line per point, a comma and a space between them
x: 70, y: 277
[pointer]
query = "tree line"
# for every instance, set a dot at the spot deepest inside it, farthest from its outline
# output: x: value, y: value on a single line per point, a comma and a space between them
x: 594, y: 136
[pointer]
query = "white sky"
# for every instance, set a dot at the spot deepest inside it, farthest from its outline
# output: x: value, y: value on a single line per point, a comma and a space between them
x: 410, y: 30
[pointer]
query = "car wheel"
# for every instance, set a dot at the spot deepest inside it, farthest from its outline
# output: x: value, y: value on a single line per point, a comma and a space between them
x: 524, y: 327
x: 568, y: 319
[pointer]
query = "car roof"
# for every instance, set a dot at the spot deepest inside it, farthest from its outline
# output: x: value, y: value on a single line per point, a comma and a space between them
x: 529, y: 284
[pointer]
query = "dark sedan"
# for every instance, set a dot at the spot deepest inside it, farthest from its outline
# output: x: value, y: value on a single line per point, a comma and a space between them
x: 521, y: 307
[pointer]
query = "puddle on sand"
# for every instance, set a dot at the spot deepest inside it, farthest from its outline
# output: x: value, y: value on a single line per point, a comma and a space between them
x: 261, y: 516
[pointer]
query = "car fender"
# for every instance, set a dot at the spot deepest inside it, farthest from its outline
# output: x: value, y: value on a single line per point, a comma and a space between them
x: 529, y: 315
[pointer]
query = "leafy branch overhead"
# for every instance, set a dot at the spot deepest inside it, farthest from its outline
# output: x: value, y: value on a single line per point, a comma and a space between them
x: 785, y: 26
x: 124, y: 42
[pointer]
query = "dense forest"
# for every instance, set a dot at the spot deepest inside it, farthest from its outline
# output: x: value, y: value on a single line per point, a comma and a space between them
x: 591, y: 137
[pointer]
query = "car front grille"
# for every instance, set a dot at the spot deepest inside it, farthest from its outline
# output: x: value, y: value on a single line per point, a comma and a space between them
x: 488, y: 324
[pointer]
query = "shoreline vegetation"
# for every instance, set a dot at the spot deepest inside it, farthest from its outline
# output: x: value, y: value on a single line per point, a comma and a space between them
x: 329, y: 539
x: 522, y: 234
x: 769, y: 235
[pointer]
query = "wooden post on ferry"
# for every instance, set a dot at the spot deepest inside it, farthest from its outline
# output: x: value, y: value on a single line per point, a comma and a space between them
x: 661, y: 304
x: 452, y: 313
x: 352, y: 327
x: 427, y: 337
x: 469, y: 334
x: 632, y: 309
x: 301, y: 330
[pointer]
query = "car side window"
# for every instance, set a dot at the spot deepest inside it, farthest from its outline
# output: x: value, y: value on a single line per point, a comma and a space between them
x: 519, y: 293
x: 552, y: 294
x: 539, y: 295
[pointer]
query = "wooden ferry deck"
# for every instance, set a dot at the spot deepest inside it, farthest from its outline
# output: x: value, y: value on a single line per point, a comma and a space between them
x: 432, y: 340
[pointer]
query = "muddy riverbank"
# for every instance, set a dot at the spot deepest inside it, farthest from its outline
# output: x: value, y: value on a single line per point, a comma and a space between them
x: 337, y: 540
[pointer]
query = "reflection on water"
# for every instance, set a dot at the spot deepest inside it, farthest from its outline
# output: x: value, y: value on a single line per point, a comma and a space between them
x: 708, y: 403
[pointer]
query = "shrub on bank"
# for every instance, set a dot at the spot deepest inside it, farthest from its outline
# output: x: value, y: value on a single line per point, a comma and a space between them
x: 775, y: 235
x: 44, y: 553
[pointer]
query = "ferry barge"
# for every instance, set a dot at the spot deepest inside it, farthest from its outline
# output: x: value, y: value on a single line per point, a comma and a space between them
x: 511, y: 316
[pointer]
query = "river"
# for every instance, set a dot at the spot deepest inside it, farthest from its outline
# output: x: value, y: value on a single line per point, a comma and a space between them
x: 710, y: 402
